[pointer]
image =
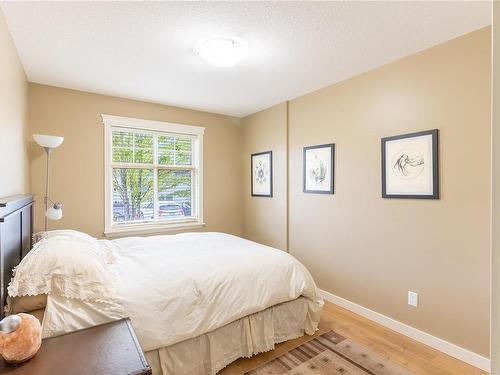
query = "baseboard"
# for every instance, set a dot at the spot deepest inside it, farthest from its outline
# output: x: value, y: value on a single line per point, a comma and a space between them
x: 453, y: 350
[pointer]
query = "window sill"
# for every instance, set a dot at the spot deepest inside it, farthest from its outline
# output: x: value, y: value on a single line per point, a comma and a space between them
x: 137, y: 229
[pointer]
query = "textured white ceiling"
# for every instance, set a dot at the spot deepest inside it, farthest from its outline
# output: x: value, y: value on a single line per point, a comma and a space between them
x: 143, y: 50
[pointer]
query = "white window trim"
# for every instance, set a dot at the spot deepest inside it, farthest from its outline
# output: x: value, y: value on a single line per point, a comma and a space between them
x: 110, y: 121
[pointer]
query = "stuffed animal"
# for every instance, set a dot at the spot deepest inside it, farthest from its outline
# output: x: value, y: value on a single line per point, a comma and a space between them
x: 20, y: 337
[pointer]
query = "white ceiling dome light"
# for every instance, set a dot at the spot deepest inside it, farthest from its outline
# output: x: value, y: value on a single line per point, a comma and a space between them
x: 222, y: 51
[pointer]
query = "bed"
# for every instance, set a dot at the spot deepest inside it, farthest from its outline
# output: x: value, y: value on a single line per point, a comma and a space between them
x: 197, y: 301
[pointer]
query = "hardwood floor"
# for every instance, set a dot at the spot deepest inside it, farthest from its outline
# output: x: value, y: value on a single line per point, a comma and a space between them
x: 417, y: 357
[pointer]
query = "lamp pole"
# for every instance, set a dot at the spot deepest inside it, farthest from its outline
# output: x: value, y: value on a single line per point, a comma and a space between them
x: 46, y: 199
x: 48, y: 143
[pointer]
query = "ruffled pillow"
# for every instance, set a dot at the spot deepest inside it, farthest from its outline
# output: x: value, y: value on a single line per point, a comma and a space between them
x: 105, y: 248
x: 69, y: 264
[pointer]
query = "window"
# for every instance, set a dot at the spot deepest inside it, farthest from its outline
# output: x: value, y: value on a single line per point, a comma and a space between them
x: 153, y: 178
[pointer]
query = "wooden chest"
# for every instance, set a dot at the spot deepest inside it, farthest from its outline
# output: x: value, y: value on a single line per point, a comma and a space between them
x: 106, y: 349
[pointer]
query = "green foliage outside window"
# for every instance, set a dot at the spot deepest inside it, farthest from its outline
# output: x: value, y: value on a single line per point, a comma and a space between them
x: 135, y: 186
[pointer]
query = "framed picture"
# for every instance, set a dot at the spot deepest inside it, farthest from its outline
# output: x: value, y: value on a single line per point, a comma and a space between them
x: 317, y: 169
x: 410, y: 166
x: 262, y: 174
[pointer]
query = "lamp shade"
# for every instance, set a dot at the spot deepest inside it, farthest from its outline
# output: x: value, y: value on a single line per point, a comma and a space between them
x: 54, y: 212
x: 49, y: 141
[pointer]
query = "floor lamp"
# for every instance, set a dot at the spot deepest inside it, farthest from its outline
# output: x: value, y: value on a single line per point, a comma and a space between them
x: 49, y: 142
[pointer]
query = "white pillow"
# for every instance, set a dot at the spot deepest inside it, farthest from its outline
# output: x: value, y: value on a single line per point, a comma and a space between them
x: 69, y: 264
x: 70, y: 233
x: 104, y: 246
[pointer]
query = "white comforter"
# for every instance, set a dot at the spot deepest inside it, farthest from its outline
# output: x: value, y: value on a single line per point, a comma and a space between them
x: 180, y: 286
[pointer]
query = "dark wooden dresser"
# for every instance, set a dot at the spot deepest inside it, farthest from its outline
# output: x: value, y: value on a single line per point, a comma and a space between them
x: 106, y: 349
x: 16, y: 229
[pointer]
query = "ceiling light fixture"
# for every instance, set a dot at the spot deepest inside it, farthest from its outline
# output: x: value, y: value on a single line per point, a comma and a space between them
x: 223, y: 52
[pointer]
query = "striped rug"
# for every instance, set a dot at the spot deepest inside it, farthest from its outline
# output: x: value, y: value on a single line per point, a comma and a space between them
x: 330, y: 354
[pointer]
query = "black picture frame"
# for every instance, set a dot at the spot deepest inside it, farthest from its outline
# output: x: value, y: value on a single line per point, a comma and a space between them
x: 434, y: 133
x: 270, y: 153
x: 332, y: 169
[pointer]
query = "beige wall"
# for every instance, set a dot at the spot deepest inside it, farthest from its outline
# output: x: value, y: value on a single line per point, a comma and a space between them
x: 370, y: 250
x: 265, y: 219
x: 77, y: 178
x: 13, y: 123
x: 495, y: 253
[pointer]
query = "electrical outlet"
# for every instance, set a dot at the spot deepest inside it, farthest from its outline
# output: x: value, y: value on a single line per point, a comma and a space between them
x: 412, y: 298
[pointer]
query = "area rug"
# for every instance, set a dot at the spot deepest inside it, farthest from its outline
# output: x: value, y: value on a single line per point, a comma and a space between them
x: 330, y: 354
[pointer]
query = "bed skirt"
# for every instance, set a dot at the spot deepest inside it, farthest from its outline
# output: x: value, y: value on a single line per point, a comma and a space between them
x: 209, y: 353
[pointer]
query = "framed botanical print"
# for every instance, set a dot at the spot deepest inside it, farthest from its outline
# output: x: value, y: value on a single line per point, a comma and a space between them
x: 318, y: 169
x: 410, y: 166
x: 262, y: 174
